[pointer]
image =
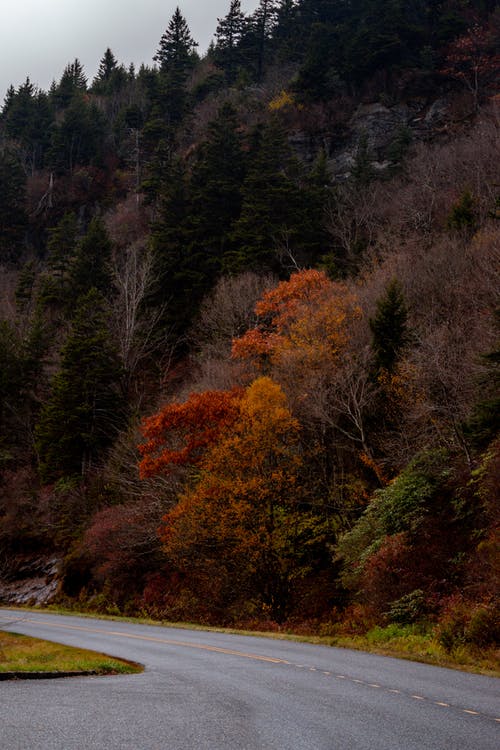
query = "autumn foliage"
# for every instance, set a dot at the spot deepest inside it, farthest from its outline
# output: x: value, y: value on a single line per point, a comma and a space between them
x: 306, y: 314
x: 235, y: 532
x: 181, y: 432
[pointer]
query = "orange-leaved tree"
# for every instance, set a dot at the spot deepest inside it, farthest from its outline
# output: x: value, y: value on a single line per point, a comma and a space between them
x: 235, y: 533
x: 180, y: 433
x: 303, y: 320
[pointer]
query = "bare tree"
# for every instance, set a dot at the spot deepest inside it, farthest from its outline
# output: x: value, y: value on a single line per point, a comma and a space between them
x: 135, y: 325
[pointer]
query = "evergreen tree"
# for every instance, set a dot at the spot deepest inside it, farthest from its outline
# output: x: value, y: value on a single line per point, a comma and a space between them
x: 228, y: 35
x: 13, y: 218
x: 85, y: 409
x: 90, y: 269
x: 256, y: 40
x: 167, y: 90
x: 73, y: 81
x: 61, y: 247
x: 276, y: 227
x: 389, y: 328
x: 178, y: 275
x: 483, y: 426
x: 216, y: 190
x: 78, y: 139
x: 288, y: 32
x: 176, y: 50
x: 27, y: 120
x: 110, y: 76
x: 11, y: 375
x: 107, y: 66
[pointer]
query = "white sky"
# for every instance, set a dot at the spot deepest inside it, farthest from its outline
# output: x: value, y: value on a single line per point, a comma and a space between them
x: 38, y: 38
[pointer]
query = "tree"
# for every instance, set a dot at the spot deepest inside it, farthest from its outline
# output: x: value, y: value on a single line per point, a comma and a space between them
x: 483, y: 424
x: 61, y: 246
x: 73, y: 81
x: 13, y: 218
x: 257, y: 36
x: 303, y: 319
x: 216, y: 191
x: 28, y: 116
x: 134, y: 323
x: 91, y: 266
x: 228, y: 36
x: 176, y: 46
x: 471, y: 59
x: 277, y: 225
x: 180, y: 434
x: 179, y: 281
x: 238, y: 528
x: 11, y: 377
x: 77, y: 138
x: 84, y: 411
x: 110, y: 76
x: 389, y: 328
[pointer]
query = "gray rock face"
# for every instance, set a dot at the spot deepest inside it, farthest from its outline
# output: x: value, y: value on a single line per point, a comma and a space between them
x: 38, y: 584
x: 381, y: 125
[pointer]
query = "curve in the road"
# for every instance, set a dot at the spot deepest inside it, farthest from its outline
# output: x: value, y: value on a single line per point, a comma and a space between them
x: 327, y: 698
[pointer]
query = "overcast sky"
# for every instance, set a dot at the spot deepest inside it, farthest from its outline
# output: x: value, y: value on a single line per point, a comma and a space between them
x: 39, y: 37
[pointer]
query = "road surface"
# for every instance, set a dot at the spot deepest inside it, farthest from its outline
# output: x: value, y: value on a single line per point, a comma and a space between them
x: 213, y: 691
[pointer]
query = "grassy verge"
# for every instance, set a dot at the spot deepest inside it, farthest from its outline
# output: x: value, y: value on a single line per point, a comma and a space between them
x: 406, y: 642
x: 18, y: 653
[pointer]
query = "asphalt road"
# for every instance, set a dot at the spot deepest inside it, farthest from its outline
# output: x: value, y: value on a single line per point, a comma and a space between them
x: 212, y: 691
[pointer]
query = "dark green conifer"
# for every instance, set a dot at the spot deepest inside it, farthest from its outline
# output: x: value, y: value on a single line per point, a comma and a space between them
x: 228, y: 35
x: 276, y: 229
x: 176, y: 50
x: 389, y: 328
x: 90, y: 268
x: 13, y: 218
x: 85, y: 409
x: 216, y: 189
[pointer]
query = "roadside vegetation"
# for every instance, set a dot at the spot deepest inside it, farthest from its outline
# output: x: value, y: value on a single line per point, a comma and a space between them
x: 19, y: 653
x: 420, y: 643
x: 249, y: 328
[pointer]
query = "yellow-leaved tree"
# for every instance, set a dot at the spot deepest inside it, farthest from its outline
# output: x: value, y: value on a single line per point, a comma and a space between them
x: 235, y: 534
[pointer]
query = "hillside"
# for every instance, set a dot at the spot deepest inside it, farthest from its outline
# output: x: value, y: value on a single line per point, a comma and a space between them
x: 249, y: 324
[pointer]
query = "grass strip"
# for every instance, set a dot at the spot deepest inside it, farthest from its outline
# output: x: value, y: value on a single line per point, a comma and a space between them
x: 21, y: 654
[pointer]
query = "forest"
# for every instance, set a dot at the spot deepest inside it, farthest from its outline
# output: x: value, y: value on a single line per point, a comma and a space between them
x: 249, y: 324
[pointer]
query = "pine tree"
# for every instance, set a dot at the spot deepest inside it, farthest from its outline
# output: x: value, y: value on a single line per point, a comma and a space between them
x: 73, y: 81
x: 276, y: 229
x: 13, y: 218
x: 228, y: 35
x: 90, y: 268
x: 216, y: 189
x: 389, y: 328
x: 176, y: 45
x: 110, y: 76
x: 85, y: 410
x: 483, y: 425
x: 177, y: 273
x: 168, y: 90
x: 79, y: 137
x: 107, y: 66
x: 61, y: 247
x: 11, y: 373
x: 257, y: 37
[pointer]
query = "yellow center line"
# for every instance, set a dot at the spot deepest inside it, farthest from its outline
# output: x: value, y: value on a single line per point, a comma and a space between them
x: 167, y: 641
x: 230, y: 652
